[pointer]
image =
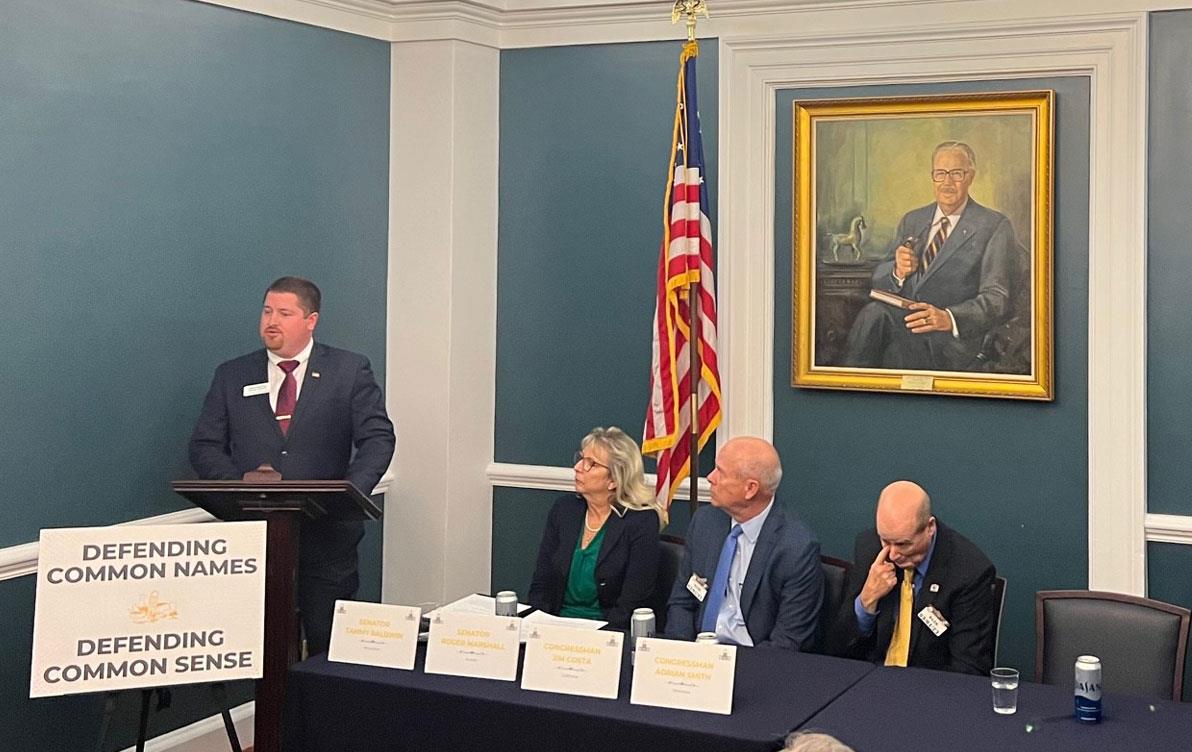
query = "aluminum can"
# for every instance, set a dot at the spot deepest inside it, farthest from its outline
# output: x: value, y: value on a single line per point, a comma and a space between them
x: 640, y: 625
x: 1088, y: 689
x: 708, y: 637
x: 506, y: 603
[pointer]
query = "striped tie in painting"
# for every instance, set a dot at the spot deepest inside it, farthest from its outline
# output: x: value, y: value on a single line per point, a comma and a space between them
x: 933, y: 248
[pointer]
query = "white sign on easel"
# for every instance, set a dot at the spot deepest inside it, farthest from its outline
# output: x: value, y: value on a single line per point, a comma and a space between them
x: 148, y: 606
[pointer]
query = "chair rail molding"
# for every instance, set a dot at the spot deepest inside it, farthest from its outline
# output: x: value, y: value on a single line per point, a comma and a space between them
x: 21, y: 560
x: 547, y: 478
x: 1169, y: 528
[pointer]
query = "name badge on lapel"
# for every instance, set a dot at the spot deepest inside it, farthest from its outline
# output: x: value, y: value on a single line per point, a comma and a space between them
x: 698, y: 586
x: 252, y: 390
x: 934, y: 620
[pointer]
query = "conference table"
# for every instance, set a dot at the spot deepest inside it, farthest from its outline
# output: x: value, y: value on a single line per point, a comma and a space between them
x: 353, y: 708
x: 345, y: 707
x: 910, y: 708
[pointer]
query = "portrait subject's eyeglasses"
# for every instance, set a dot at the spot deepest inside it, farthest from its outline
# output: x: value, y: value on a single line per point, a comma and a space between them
x: 956, y: 175
x: 585, y: 463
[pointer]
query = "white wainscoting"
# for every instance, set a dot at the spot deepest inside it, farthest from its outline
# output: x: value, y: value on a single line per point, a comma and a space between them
x: 546, y: 478
x: 21, y: 560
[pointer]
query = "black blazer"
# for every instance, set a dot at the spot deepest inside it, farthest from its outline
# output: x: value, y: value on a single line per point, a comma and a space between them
x: 339, y: 432
x: 626, y: 567
x: 958, y: 583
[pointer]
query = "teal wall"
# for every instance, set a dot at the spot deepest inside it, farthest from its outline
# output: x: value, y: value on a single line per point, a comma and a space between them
x: 585, y: 144
x: 1169, y: 327
x: 1169, y: 266
x: 160, y: 163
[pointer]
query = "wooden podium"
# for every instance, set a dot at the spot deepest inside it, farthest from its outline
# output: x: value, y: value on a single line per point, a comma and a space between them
x: 283, y: 504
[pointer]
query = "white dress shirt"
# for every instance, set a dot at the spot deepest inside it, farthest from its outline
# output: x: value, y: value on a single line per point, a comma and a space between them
x: 730, y: 622
x: 276, y: 375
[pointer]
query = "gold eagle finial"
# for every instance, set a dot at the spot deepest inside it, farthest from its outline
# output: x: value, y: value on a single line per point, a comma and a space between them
x: 691, y: 9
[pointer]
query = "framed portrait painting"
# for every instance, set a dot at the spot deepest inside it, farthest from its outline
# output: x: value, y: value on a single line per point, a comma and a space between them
x: 923, y: 244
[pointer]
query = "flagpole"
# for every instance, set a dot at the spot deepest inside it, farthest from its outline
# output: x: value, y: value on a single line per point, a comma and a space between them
x: 694, y: 375
x: 691, y: 9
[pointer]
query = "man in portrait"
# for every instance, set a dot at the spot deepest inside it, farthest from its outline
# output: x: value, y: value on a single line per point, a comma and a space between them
x: 958, y: 269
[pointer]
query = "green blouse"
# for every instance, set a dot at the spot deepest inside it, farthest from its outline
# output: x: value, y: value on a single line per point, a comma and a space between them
x: 580, y: 598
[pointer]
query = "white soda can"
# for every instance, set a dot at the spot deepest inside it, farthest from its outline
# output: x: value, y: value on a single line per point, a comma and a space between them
x: 1088, y: 689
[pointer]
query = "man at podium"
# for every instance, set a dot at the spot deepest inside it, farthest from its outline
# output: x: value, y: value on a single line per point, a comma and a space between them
x: 311, y: 411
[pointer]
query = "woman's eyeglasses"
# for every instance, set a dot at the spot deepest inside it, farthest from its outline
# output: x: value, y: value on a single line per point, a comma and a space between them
x: 586, y: 463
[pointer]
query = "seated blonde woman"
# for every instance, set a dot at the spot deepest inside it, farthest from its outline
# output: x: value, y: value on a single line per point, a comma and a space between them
x: 599, y: 553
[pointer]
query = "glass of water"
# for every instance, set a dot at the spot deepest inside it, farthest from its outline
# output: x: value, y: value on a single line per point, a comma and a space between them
x: 1005, y: 690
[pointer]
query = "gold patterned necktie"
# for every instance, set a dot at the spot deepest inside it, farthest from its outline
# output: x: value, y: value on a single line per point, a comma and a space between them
x: 900, y: 642
x: 937, y: 243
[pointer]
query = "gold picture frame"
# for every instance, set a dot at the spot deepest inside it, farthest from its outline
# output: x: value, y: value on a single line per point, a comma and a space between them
x: 874, y: 182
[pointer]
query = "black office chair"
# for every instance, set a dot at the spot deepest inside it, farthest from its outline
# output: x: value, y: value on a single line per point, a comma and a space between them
x: 835, y: 580
x: 999, y: 603
x: 1141, y: 642
x: 668, y: 568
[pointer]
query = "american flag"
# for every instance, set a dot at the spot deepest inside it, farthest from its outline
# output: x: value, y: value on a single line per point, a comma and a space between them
x: 685, y: 258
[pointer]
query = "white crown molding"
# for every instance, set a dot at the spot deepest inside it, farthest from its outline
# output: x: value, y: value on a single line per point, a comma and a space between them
x: 1169, y: 528
x: 506, y: 24
x: 547, y: 478
x: 366, y: 18
x: 1111, y: 51
x: 21, y: 560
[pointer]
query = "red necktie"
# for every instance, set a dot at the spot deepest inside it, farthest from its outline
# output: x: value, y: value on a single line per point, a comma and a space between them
x: 287, y: 396
x: 933, y: 248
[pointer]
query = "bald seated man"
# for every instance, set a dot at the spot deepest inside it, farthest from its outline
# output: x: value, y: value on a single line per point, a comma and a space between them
x: 751, y: 570
x: 948, y: 591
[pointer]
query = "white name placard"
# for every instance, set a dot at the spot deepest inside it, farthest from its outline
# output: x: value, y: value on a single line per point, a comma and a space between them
x: 147, y: 606
x: 572, y: 661
x: 374, y: 634
x: 684, y: 675
x: 478, y: 645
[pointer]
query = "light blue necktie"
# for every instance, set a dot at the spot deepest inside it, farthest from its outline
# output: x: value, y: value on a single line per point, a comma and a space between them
x: 720, y: 582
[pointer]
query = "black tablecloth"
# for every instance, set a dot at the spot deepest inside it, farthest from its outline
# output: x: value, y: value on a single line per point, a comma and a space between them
x: 916, y: 709
x: 350, y: 708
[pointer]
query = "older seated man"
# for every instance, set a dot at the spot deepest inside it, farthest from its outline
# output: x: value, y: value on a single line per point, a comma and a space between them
x: 751, y: 570
x: 925, y: 599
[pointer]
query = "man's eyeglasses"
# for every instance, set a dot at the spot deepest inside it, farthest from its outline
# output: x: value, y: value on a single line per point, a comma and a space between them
x: 585, y: 463
x: 956, y: 175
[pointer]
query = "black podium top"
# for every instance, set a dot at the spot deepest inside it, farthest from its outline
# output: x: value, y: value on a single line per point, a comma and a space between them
x: 316, y: 499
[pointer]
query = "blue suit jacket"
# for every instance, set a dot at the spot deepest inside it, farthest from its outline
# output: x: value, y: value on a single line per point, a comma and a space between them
x: 626, y: 567
x: 340, y: 409
x: 784, y: 586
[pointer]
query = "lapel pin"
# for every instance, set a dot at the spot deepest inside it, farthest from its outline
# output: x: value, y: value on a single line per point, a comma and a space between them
x: 314, y: 374
x: 935, y: 588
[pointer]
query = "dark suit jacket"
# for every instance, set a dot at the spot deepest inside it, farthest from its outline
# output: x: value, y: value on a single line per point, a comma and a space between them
x: 784, y: 585
x: 974, y: 276
x: 964, y: 597
x: 626, y: 567
x: 340, y: 409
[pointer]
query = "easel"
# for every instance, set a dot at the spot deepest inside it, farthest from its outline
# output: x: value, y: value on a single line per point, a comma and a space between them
x: 163, y: 701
